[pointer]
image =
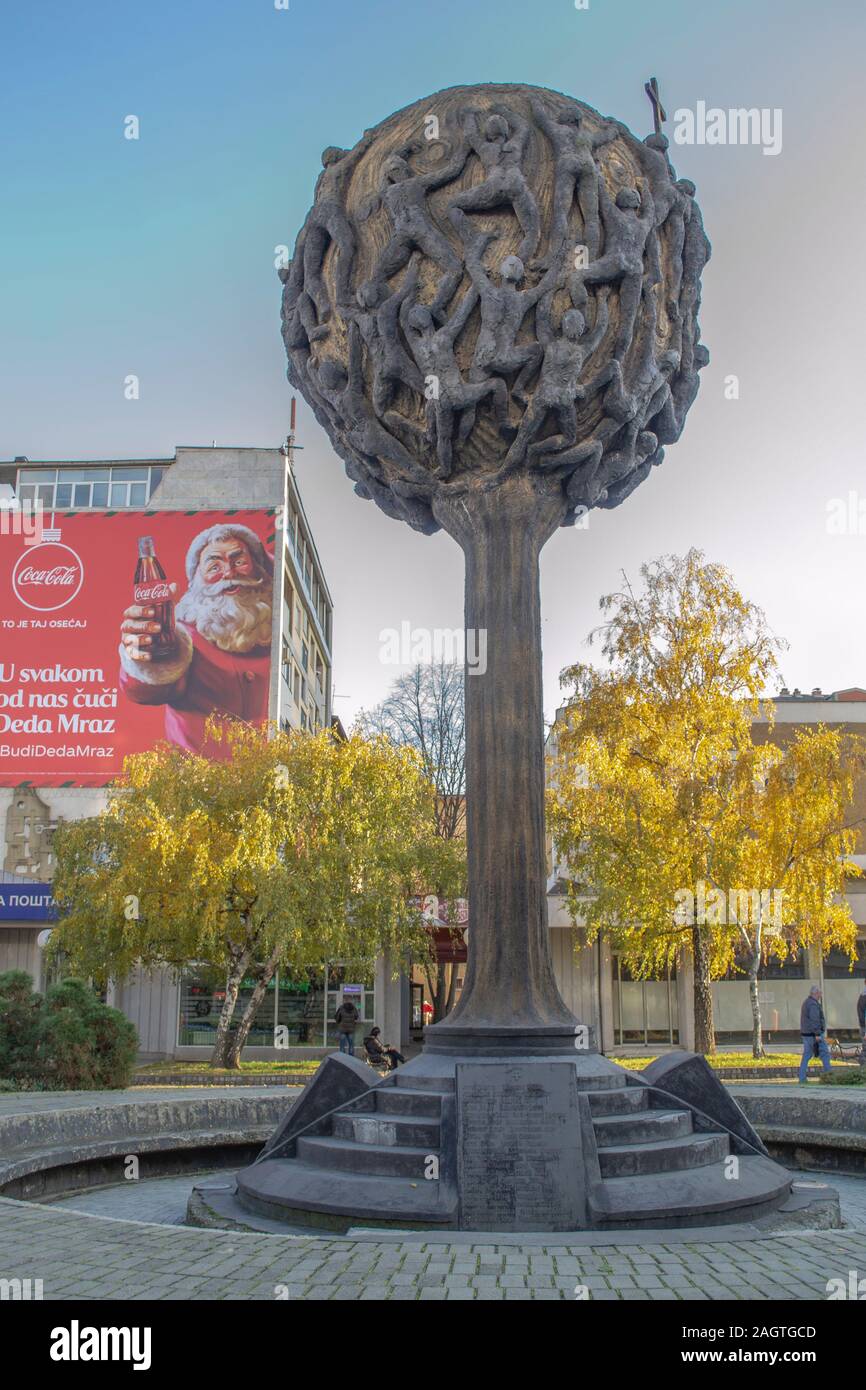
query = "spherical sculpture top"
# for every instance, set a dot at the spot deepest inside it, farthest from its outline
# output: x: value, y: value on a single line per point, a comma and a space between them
x: 497, y: 281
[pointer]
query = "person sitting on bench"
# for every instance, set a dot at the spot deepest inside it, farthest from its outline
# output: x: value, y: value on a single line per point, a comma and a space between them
x: 378, y: 1051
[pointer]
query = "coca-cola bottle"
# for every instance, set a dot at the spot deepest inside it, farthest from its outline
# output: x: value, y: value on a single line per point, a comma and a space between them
x: 151, y: 590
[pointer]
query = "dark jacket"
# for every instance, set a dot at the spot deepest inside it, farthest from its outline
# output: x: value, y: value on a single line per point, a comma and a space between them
x: 374, y: 1047
x: 346, y: 1017
x: 861, y: 1010
x: 811, y: 1017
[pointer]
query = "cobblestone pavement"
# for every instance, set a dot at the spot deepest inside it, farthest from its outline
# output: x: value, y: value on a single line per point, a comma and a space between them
x: 89, y: 1257
x: 159, y: 1200
x: 78, y: 1254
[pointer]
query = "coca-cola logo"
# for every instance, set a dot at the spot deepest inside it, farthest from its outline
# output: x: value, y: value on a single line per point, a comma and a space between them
x: 47, y: 577
x: 151, y: 593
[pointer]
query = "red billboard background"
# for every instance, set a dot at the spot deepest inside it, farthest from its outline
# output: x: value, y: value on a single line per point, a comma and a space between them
x: 64, y: 717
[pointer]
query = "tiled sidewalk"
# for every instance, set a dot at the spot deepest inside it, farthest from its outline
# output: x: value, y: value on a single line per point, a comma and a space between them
x: 80, y: 1256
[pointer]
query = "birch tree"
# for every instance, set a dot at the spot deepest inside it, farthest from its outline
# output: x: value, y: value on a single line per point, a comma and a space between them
x: 295, y: 850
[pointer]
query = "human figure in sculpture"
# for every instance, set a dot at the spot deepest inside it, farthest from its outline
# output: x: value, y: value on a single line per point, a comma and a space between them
x: 557, y: 390
x: 433, y: 350
x: 626, y: 232
x: 503, y: 309
x: 345, y: 393
x: 675, y: 222
x: 404, y: 196
x: 674, y: 404
x: 627, y: 467
x: 696, y: 253
x: 327, y: 222
x: 575, y: 171
x: 661, y: 172
x: 378, y: 316
x: 500, y: 147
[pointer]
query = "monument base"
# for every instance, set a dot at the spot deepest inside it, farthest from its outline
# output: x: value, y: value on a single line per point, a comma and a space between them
x: 531, y: 1142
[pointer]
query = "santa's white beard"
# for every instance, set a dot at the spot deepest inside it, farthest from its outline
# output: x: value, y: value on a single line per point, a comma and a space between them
x: 233, y: 622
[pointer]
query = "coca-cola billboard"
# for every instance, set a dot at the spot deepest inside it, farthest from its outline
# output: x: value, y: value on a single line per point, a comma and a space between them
x: 121, y: 629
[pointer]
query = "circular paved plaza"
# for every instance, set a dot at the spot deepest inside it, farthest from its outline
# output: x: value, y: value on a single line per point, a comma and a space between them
x: 81, y: 1246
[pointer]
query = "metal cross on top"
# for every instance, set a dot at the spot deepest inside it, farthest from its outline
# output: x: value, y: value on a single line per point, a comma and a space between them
x: 659, y: 114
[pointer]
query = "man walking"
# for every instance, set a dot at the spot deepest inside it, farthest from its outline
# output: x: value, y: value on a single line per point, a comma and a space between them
x: 345, y: 1018
x: 861, y: 1019
x: 813, y: 1028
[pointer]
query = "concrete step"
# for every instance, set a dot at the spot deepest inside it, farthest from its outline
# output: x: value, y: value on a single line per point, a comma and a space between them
x: 362, y: 1104
x: 421, y: 1081
x: 409, y: 1131
x: 288, y: 1189
x: 619, y: 1102
x: 663, y: 1155
x: 692, y: 1197
x: 642, y: 1128
x: 384, y: 1160
x: 399, y: 1100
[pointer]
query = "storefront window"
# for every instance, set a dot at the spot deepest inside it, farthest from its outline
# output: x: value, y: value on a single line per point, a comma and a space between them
x: 298, y: 1002
x: 644, y: 1011
x: 201, y: 1001
x: 301, y: 1008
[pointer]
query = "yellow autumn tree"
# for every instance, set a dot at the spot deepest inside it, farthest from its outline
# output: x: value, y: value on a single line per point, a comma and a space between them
x: 294, y: 850
x: 645, y: 780
x: 788, y: 846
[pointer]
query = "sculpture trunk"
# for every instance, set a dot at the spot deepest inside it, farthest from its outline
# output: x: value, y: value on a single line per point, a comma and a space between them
x: 510, y: 994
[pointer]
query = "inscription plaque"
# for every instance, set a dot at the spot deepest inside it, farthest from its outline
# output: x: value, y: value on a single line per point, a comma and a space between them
x: 520, y: 1162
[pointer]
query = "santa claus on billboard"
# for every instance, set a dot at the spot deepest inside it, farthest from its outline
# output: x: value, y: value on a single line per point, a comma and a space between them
x: 220, y: 660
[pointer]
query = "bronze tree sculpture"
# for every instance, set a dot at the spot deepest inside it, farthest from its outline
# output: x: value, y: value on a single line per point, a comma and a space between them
x: 492, y: 311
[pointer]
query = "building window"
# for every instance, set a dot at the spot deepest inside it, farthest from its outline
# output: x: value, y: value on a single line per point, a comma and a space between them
x: 791, y: 968
x: 286, y: 664
x: 301, y: 1004
x: 305, y: 656
x: 837, y: 965
x: 289, y: 597
x: 291, y: 525
x: 297, y: 686
x: 297, y: 1004
x: 71, y: 489
x: 301, y: 1008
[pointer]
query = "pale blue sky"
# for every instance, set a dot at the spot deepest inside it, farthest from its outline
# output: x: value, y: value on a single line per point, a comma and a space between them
x: 156, y: 257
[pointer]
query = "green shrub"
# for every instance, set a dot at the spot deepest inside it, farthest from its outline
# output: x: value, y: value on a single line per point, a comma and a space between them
x: 19, y: 1024
x: 67, y: 1039
x: 851, y: 1076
